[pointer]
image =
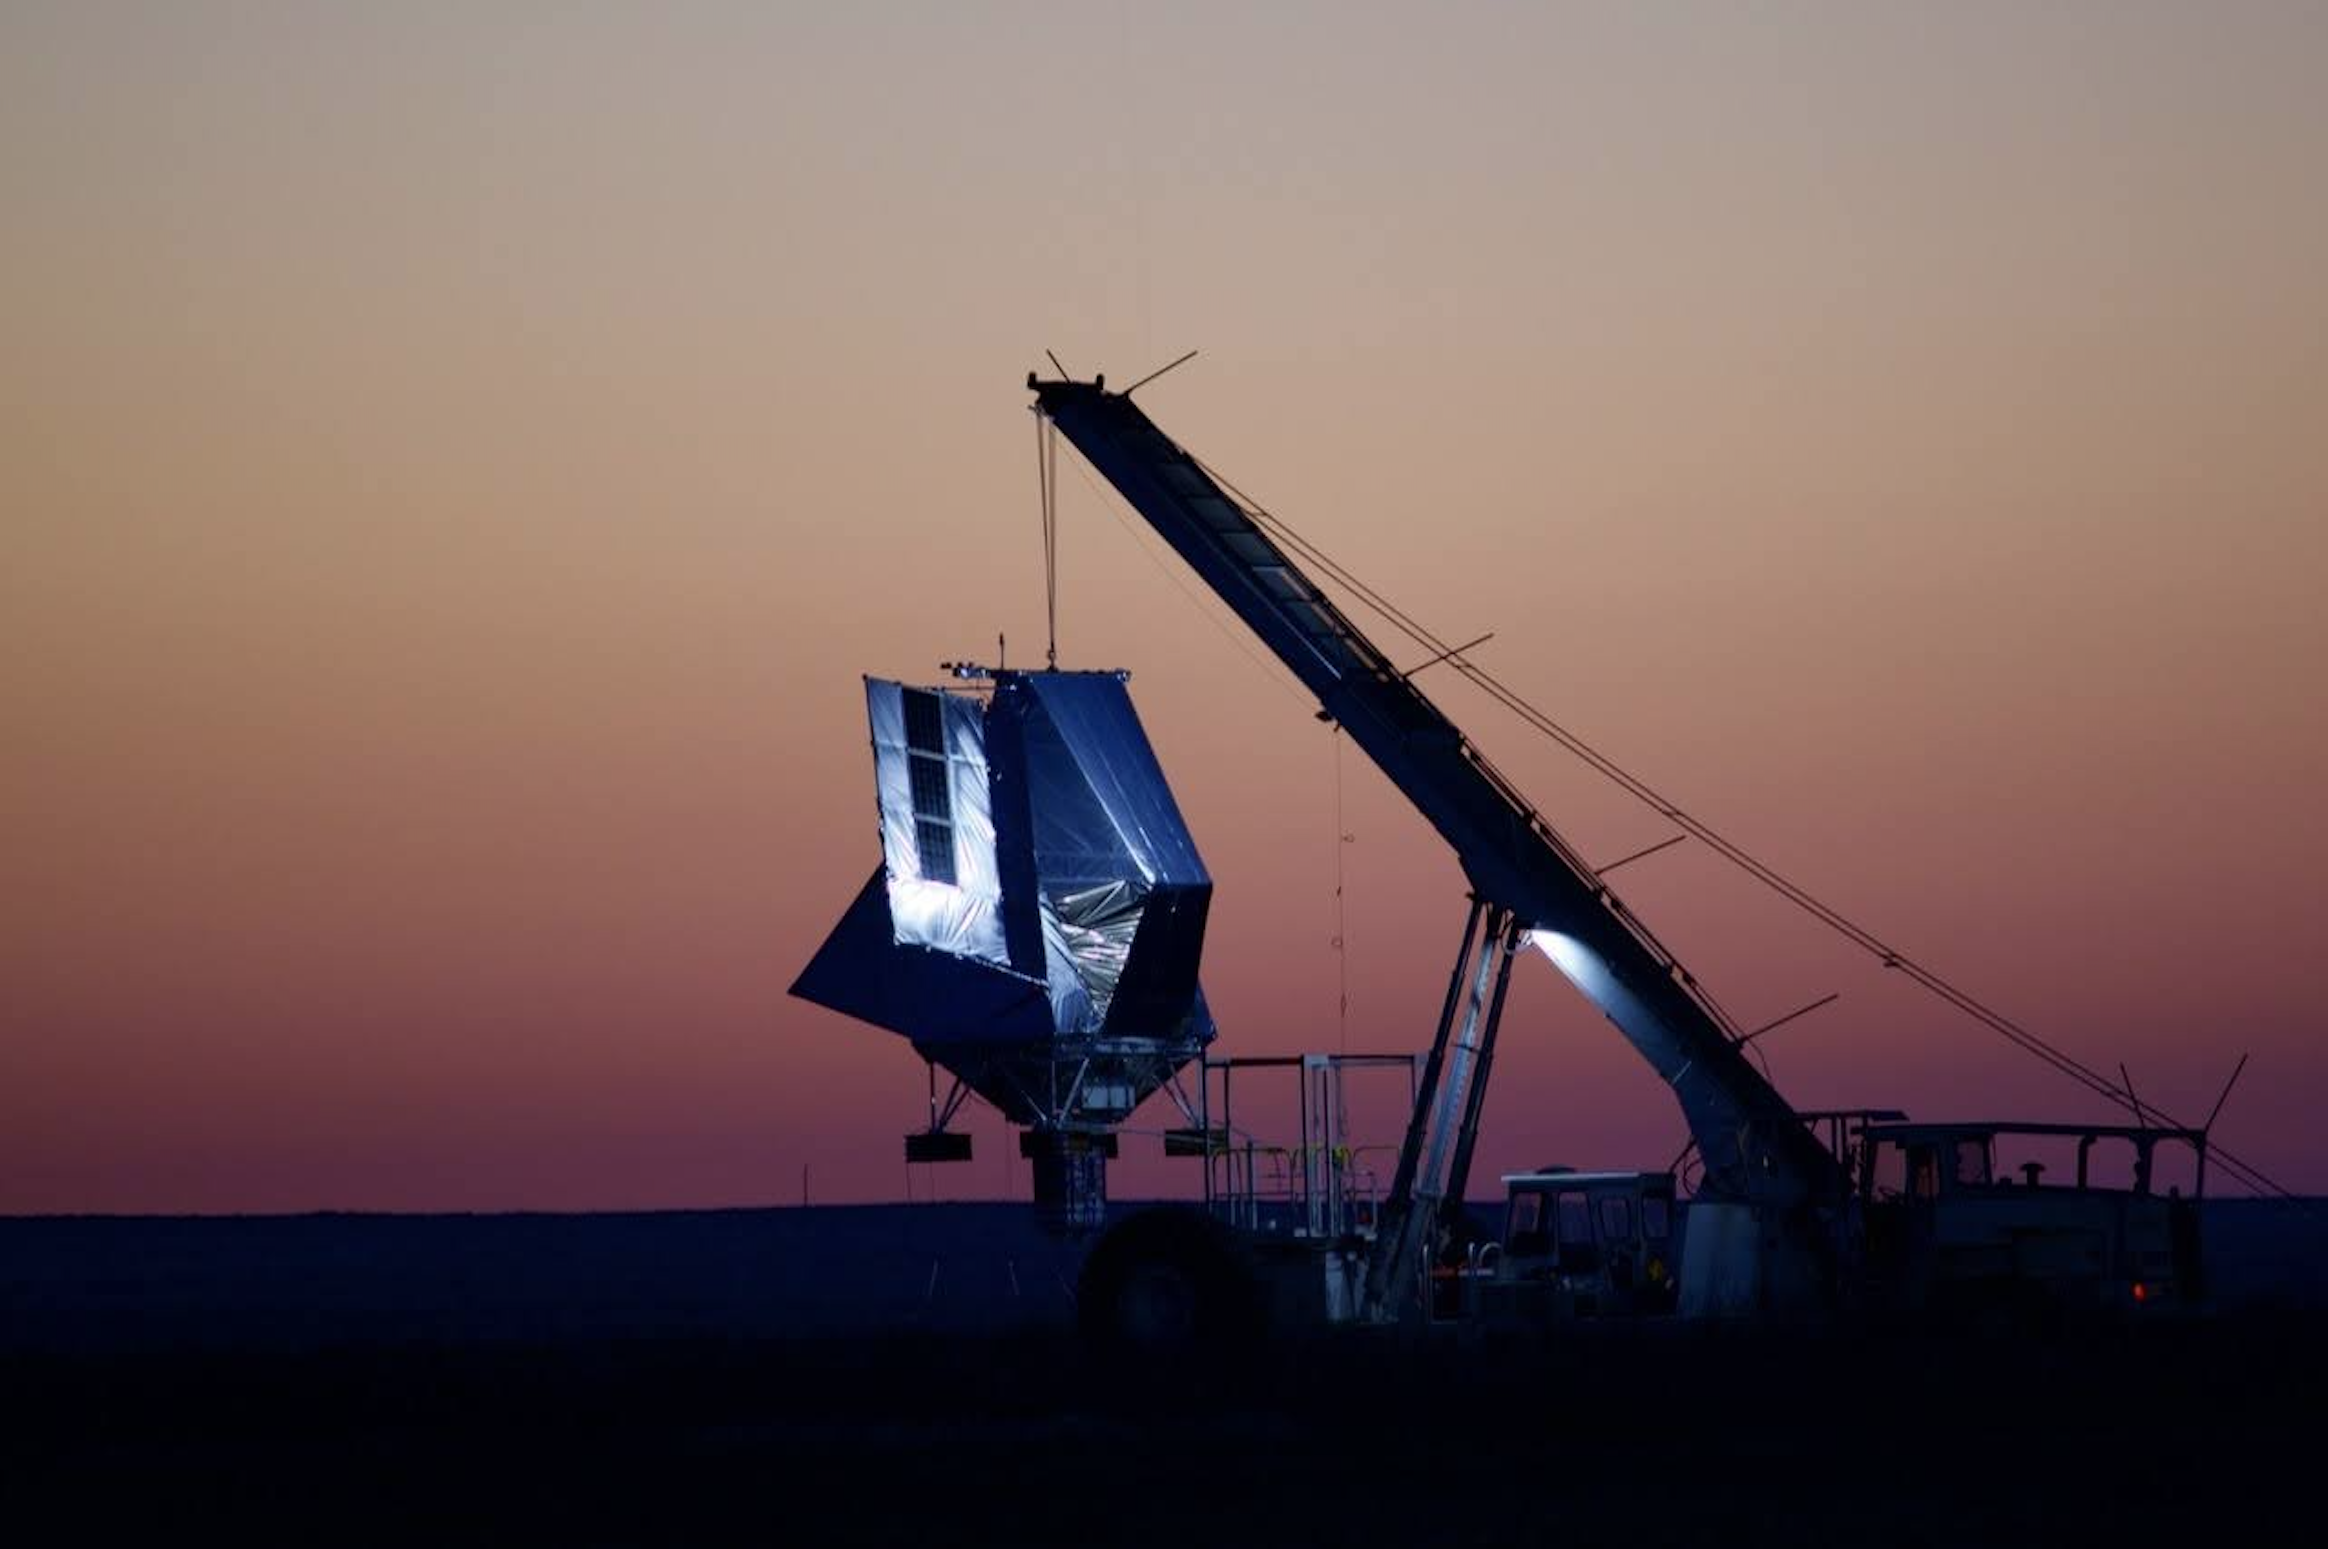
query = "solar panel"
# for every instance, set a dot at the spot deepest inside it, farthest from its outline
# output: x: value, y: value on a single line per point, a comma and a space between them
x: 931, y: 798
x: 935, y: 841
x: 925, y: 721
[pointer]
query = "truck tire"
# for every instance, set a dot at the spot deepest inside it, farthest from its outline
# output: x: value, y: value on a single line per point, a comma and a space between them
x: 1170, y: 1277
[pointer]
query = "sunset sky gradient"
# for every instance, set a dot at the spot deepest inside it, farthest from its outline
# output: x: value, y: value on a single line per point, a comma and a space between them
x: 457, y: 461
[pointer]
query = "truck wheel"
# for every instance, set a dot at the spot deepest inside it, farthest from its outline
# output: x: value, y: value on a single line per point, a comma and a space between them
x: 1168, y: 1277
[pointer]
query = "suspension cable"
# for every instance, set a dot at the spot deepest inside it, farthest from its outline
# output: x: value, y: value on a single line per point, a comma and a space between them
x: 1633, y: 785
x: 1047, y: 480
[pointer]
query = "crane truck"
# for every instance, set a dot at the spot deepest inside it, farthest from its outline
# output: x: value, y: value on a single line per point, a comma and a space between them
x: 1792, y: 1214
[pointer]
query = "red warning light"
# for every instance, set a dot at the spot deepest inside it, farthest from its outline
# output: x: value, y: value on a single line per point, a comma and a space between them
x: 2141, y: 1292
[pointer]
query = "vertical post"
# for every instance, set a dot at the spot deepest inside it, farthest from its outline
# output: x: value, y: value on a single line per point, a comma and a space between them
x: 1252, y: 1192
x: 1204, y: 1121
x: 1341, y: 1151
x: 1309, y: 1196
x: 1228, y: 1132
x: 1330, y: 1098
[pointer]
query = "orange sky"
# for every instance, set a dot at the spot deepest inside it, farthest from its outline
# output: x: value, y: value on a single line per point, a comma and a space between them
x: 457, y: 461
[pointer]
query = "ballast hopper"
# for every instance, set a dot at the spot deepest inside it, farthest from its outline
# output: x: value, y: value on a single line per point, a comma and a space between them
x: 1036, y: 921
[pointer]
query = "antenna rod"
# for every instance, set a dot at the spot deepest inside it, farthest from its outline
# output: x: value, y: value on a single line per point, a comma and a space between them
x: 1151, y: 376
x: 2226, y: 1097
x: 1453, y: 650
x: 1054, y: 360
x: 1627, y: 860
x: 1799, y: 1011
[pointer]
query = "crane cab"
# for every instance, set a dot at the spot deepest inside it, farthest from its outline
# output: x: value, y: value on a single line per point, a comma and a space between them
x: 1576, y: 1246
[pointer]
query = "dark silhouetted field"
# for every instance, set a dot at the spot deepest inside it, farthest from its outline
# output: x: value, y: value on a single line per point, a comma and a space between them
x: 796, y: 1377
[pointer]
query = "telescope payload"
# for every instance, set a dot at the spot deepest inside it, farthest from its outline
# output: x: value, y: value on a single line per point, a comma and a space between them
x: 1035, y: 925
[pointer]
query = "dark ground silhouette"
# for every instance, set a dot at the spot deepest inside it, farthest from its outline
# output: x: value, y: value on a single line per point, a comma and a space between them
x: 796, y: 1377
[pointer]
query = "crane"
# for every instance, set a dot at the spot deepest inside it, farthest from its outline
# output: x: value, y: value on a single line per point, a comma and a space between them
x: 1529, y: 887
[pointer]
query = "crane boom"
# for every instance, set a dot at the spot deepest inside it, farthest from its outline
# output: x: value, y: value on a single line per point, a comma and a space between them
x: 1754, y: 1147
